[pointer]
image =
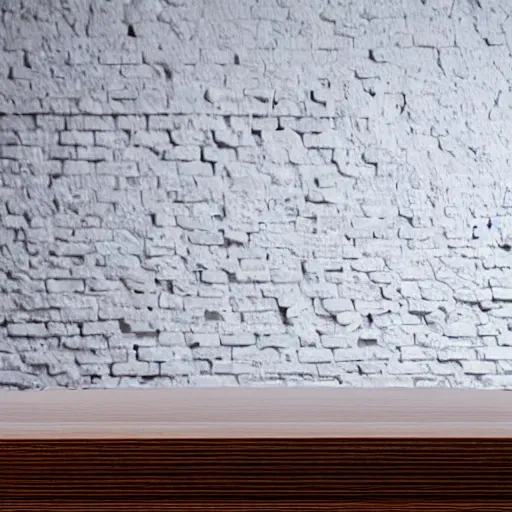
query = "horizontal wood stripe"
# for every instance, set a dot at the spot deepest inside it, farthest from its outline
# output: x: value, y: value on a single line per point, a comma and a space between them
x: 255, y: 413
x: 331, y: 469
x: 241, y: 505
x: 257, y: 506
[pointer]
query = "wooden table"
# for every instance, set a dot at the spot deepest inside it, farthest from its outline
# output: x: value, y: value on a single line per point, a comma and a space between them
x: 256, y: 449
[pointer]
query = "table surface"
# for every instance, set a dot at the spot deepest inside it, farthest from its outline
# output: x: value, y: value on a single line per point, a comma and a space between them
x: 244, y: 413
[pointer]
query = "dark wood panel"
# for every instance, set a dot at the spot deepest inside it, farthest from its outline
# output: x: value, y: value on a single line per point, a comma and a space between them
x: 329, y: 474
x: 257, y: 506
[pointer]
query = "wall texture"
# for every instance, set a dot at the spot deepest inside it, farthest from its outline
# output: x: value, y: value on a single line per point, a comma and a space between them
x: 244, y: 192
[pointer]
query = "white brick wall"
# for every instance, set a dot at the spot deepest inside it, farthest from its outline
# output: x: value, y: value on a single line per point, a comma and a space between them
x: 246, y: 192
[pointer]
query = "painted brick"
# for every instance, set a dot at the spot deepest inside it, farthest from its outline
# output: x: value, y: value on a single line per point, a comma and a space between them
x: 252, y: 214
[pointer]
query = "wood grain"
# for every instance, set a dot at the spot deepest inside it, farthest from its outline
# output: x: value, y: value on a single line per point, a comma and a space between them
x: 255, y: 471
x: 255, y: 413
x: 343, y: 473
x: 259, y: 506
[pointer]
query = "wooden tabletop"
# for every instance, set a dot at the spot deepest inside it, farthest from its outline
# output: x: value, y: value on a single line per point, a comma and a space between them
x: 210, y: 413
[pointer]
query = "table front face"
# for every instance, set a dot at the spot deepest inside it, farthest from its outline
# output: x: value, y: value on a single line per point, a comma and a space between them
x: 265, y: 474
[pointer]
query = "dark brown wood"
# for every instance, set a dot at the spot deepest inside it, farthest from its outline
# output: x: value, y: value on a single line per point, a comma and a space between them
x: 259, y: 506
x: 71, y: 467
x: 328, y: 472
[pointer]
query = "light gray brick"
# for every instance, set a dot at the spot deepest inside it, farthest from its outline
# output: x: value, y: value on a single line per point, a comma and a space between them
x: 496, y: 353
x: 213, y: 381
x: 150, y: 139
x: 65, y: 285
x: 502, y: 294
x: 117, y: 139
x: 183, y: 153
x: 195, y: 169
x: 76, y: 138
x: 102, y: 356
x: 128, y: 169
x: 214, y: 277
x: 205, y: 238
x: 156, y: 354
x: 170, y: 301
x: 104, y: 328
x: 27, y: 329
x: 132, y: 123
x: 202, y: 340
x: 171, y: 339
x: 96, y: 123
x: 278, y: 341
x: 240, y: 340
x: 17, y: 122
x: 337, y: 305
x: 135, y: 368
x: 478, y: 367
x: 338, y: 341
x: 414, y: 353
x: 177, y: 368
x: 315, y: 355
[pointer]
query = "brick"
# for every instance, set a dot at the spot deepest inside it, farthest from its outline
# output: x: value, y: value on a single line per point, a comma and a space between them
x: 132, y: 123
x: 150, y: 139
x: 240, y: 340
x: 218, y: 155
x: 460, y: 330
x: 414, y: 353
x: 17, y: 122
x: 117, y: 139
x: 213, y: 381
x: 135, y: 368
x: 20, y: 380
x: 202, y: 340
x: 102, y: 356
x: 337, y: 341
x: 65, y: 286
x: 97, y: 342
x: 96, y: 123
x: 27, y: 329
x: 278, y: 341
x: 171, y: 339
x: 104, y: 328
x: 183, y: 153
x: 478, y: 367
x: 170, y: 301
x: 315, y: 355
x: 502, y: 294
x: 337, y: 305
x: 361, y: 354
x: 94, y: 154
x: 156, y: 354
x: 128, y: 169
x: 177, y: 368
x: 76, y: 138
x: 349, y: 318
x: 195, y: 169
x: 368, y: 265
x: 214, y: 277
x: 496, y: 353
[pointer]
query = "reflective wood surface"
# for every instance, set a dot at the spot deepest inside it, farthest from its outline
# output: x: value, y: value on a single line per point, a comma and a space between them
x: 255, y: 413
